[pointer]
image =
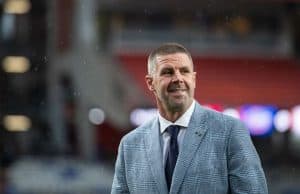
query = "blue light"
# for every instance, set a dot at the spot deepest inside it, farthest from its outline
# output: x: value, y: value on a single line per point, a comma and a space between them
x: 258, y: 118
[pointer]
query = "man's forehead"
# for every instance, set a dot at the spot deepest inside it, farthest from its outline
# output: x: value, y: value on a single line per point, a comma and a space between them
x: 180, y: 58
x: 172, y: 56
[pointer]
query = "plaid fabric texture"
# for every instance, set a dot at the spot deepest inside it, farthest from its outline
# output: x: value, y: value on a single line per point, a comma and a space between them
x: 217, y: 157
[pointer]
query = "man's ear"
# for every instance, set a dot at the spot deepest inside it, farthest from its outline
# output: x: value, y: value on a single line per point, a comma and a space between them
x: 195, y: 77
x: 149, y: 82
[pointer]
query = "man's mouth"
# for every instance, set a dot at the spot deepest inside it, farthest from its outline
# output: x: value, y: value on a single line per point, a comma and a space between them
x: 176, y: 89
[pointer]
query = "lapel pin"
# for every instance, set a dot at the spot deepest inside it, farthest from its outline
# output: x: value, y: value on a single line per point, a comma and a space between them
x: 198, y: 133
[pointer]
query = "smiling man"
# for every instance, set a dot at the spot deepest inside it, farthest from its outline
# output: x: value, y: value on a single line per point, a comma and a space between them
x: 172, y: 80
x: 186, y: 148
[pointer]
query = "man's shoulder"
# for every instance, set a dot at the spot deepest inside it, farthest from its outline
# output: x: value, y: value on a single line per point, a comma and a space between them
x: 139, y: 132
x: 217, y: 118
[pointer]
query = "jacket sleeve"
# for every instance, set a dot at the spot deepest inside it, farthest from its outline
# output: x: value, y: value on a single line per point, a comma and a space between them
x: 246, y: 175
x: 119, y: 184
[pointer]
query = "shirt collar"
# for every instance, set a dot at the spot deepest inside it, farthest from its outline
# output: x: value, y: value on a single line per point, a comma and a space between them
x: 182, y: 121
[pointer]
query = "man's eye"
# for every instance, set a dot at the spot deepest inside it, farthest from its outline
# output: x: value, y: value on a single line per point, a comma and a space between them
x: 166, y: 72
x: 185, y: 71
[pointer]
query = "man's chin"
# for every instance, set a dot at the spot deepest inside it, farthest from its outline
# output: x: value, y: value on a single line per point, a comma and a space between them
x: 177, y: 106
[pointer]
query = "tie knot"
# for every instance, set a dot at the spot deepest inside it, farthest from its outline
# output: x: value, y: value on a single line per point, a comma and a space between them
x: 173, y: 130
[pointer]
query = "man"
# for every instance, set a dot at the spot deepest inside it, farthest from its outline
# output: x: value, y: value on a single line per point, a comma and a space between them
x: 186, y: 148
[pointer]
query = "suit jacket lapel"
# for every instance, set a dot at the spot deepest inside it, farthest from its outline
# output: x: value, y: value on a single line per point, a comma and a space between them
x: 190, y: 144
x: 154, y: 153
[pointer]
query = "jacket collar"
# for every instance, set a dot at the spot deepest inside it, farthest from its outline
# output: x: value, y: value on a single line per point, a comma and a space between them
x: 190, y: 144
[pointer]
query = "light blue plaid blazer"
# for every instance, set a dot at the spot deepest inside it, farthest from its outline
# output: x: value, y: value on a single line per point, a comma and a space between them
x: 217, y: 157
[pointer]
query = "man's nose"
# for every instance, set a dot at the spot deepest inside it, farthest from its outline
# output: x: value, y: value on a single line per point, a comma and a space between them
x: 177, y: 76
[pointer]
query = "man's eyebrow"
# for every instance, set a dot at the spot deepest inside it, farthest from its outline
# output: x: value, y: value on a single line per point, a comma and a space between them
x: 166, y: 68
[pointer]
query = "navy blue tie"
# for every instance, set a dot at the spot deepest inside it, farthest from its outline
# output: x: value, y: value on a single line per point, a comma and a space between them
x: 172, y: 154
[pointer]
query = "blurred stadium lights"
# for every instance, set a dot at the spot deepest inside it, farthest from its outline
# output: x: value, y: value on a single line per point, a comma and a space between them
x: 96, y: 116
x: 141, y: 115
x: 15, y: 64
x: 261, y: 120
x: 282, y: 121
x: 16, y: 123
x: 232, y: 112
x: 296, y: 121
x: 17, y: 6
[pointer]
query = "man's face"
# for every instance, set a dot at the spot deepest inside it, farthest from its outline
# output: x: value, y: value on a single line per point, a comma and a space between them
x: 173, y: 82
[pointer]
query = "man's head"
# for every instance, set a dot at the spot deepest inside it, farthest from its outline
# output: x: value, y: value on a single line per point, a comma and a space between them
x: 171, y: 78
x: 165, y: 49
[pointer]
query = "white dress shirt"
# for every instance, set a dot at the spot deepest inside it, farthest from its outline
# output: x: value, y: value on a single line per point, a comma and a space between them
x: 182, y: 121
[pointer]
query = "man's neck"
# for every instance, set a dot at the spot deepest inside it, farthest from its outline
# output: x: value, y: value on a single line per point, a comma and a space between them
x: 173, y: 115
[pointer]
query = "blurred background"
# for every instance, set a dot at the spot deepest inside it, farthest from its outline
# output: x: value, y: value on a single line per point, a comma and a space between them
x: 72, y: 83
